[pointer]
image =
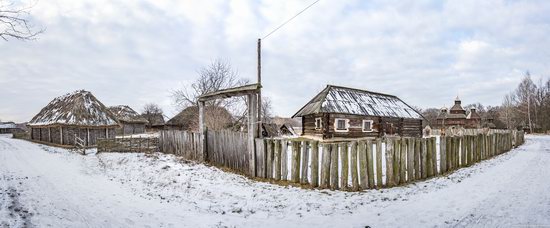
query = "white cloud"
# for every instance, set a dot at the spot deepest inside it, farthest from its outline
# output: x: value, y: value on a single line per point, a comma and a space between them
x: 133, y: 52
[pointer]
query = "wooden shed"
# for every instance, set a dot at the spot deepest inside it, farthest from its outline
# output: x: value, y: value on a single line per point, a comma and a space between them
x: 130, y: 121
x: 71, y: 117
x: 341, y: 112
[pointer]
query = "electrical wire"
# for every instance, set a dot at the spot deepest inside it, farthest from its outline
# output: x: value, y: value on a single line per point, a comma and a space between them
x: 286, y: 22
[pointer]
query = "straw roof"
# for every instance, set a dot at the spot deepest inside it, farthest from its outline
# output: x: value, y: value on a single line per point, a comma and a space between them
x: 77, y: 108
x: 123, y: 113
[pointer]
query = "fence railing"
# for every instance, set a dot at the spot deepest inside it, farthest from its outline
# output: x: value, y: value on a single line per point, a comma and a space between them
x: 140, y: 145
x: 378, y: 163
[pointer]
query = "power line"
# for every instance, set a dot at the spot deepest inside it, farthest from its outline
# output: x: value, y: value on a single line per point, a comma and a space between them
x: 286, y: 22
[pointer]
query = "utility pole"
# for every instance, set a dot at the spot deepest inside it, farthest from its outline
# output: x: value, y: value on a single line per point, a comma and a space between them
x: 260, y: 89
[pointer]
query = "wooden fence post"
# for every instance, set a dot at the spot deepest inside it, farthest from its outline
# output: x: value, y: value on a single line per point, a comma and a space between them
x: 277, y: 160
x: 334, y: 167
x: 353, y: 165
x: 429, y: 163
x: 418, y: 158
x: 305, y: 162
x: 370, y: 165
x: 397, y: 161
x: 379, y: 183
x: 424, y: 160
x: 410, y: 159
x: 315, y: 164
x: 362, y: 154
x: 345, y: 167
x: 325, y: 166
x: 433, y: 144
x: 442, y: 154
x: 284, y: 160
x: 295, y: 169
x: 403, y: 161
x: 269, y: 159
x: 389, y: 163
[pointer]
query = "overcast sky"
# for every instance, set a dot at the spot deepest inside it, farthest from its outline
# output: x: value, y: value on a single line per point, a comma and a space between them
x: 136, y: 51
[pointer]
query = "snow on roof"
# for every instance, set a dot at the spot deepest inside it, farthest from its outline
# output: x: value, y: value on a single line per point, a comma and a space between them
x: 126, y: 114
x: 76, y: 108
x: 336, y: 99
x: 7, y: 125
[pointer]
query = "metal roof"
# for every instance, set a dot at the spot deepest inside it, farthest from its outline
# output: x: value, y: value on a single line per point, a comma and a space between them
x: 337, y: 99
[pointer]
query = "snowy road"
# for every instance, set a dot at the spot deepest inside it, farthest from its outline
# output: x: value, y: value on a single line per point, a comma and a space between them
x: 50, y: 187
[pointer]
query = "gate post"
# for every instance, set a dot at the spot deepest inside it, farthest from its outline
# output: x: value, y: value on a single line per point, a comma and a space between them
x: 252, y: 131
x: 202, y: 132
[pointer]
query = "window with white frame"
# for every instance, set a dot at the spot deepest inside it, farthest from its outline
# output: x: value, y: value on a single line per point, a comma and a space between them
x: 341, y: 125
x: 318, y: 123
x: 367, y: 125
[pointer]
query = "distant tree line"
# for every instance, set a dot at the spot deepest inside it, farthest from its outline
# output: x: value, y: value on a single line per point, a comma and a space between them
x: 526, y: 107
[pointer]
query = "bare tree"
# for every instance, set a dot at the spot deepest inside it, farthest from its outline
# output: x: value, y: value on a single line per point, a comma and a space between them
x: 14, y: 24
x: 216, y: 76
x: 525, y: 94
x: 151, y: 113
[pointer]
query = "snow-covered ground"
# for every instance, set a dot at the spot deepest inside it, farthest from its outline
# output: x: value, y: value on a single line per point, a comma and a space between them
x: 51, y: 187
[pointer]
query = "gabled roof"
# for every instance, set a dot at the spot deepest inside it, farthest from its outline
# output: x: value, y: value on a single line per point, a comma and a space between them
x: 7, y: 125
x: 126, y: 114
x: 337, y: 99
x: 76, y: 108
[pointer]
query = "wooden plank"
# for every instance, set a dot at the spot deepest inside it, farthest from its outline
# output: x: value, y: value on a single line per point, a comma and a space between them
x: 362, y: 154
x: 397, y: 161
x: 442, y: 154
x: 424, y: 160
x: 269, y: 159
x: 345, y: 166
x: 284, y: 160
x: 429, y: 163
x: 379, y: 182
x: 410, y: 159
x: 403, y: 161
x: 314, y: 164
x: 295, y: 168
x: 353, y: 165
x: 370, y: 164
x: 418, y: 158
x: 305, y: 163
x: 277, y: 160
x: 325, y: 166
x: 334, y: 167
x: 260, y: 158
x: 389, y: 163
x: 434, y: 155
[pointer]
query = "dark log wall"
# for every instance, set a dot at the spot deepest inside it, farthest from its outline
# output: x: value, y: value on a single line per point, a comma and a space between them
x: 131, y: 128
x: 54, y: 134
x: 381, y: 126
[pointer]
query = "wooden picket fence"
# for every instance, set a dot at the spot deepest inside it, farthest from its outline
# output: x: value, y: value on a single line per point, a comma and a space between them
x: 368, y: 164
x: 228, y: 149
x: 224, y: 148
x: 181, y: 143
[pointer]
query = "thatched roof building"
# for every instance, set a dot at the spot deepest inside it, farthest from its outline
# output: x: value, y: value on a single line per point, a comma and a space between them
x: 216, y: 118
x: 130, y: 121
x: 74, y: 115
x: 9, y: 128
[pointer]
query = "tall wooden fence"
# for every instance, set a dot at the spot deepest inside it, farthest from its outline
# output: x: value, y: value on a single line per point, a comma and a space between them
x: 224, y: 148
x: 228, y: 149
x: 376, y: 163
x: 181, y: 143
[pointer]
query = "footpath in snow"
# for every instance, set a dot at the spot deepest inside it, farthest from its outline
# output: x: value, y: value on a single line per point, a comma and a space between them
x: 46, y: 186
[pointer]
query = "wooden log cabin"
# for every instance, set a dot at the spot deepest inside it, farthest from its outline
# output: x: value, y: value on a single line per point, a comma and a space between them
x: 77, y: 115
x: 130, y: 121
x: 340, y: 112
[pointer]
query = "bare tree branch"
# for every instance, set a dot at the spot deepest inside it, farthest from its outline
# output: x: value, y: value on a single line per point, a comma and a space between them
x: 14, y: 22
